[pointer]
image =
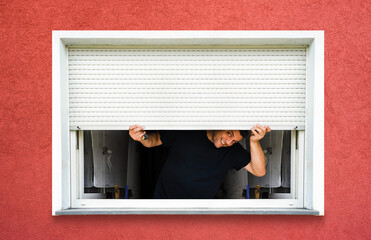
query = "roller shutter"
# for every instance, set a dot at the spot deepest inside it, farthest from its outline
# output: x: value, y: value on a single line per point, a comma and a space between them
x: 186, y: 88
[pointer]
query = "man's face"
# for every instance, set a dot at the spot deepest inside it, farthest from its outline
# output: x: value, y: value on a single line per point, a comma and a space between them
x: 225, y: 138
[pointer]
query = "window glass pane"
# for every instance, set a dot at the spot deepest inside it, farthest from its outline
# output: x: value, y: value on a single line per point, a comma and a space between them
x: 105, y: 163
x: 277, y: 149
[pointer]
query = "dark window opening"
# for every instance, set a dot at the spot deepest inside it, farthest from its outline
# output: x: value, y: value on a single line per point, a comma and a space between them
x: 115, y: 166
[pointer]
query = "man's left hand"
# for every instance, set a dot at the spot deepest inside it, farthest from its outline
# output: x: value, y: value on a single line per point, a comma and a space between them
x: 258, y: 132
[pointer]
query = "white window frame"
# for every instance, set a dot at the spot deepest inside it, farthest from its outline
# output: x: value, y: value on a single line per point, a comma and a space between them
x: 309, y: 199
x: 82, y: 200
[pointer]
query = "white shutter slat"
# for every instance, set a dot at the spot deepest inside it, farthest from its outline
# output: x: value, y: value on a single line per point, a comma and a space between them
x: 266, y: 76
x: 248, y: 87
x: 128, y: 114
x: 188, y: 111
x: 151, y: 96
x: 203, y: 105
x: 182, y: 100
x: 162, y: 70
x: 172, y: 91
x: 185, y: 125
x: 187, y: 52
x: 194, y: 58
x: 178, y: 67
x: 187, y: 88
x: 75, y: 64
x: 188, y: 81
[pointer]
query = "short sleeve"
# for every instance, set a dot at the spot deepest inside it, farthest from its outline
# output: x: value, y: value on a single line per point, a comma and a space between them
x: 168, y: 137
x: 239, y: 156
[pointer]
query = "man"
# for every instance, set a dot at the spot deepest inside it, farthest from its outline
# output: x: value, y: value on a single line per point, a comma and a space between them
x: 199, y: 160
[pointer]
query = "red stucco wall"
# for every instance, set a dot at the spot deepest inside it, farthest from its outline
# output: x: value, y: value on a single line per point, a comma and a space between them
x: 26, y: 115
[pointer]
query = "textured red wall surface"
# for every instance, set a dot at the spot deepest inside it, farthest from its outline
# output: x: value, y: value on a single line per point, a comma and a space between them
x: 26, y: 115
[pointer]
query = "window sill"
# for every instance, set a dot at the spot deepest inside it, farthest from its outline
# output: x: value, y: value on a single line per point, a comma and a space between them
x: 210, y: 211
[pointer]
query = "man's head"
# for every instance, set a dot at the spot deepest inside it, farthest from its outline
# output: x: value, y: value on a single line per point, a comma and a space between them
x: 225, y: 138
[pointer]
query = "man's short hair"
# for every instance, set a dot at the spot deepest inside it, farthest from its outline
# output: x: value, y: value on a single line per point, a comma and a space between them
x: 244, y: 133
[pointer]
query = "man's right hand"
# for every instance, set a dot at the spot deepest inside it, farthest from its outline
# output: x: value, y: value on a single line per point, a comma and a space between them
x: 137, y: 132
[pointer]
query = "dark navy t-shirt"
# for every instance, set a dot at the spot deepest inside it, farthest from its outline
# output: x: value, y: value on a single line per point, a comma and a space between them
x: 195, y: 168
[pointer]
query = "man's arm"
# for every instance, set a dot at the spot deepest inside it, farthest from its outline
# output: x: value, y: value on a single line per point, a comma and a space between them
x: 257, y: 163
x: 137, y: 132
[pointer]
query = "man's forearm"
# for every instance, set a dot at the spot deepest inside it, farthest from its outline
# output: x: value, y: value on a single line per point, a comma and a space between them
x: 152, y: 141
x: 257, y: 159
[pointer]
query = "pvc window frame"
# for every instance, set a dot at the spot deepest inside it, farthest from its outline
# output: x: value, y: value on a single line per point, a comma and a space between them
x: 309, y: 196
